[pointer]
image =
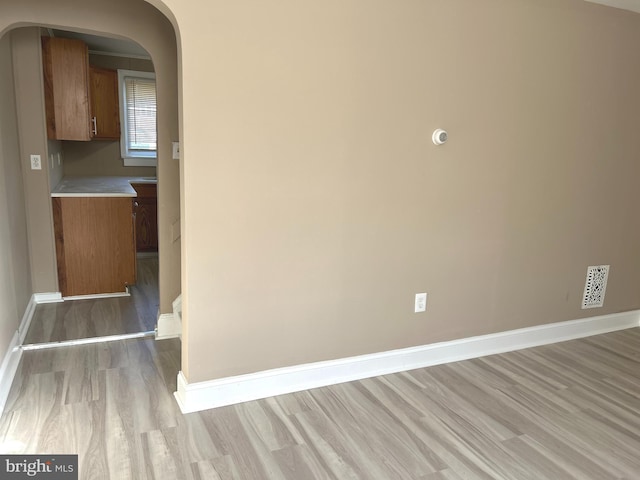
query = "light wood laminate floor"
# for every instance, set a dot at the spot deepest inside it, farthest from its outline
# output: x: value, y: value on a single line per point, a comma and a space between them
x: 564, y: 411
x: 77, y: 319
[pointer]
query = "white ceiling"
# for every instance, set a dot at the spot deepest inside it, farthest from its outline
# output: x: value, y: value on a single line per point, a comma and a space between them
x: 632, y: 5
x: 106, y: 45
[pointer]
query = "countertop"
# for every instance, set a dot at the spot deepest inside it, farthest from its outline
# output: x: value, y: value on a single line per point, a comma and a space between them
x: 99, y: 186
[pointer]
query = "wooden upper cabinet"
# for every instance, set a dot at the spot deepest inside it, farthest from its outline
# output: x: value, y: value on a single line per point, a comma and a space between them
x: 105, y: 114
x: 66, y: 88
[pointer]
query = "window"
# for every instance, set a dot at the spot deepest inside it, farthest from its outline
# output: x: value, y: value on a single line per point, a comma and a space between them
x: 138, y: 140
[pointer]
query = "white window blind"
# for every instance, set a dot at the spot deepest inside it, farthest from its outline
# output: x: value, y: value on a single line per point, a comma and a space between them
x: 141, y: 113
x: 138, y: 116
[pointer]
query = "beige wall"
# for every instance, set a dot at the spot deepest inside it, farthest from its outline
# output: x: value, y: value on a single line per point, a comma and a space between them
x: 316, y: 206
x: 15, y: 279
x: 142, y: 23
x: 27, y: 63
x: 102, y: 157
x: 56, y: 162
x: 99, y: 157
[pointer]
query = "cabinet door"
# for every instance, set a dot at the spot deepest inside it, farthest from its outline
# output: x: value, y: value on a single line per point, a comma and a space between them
x: 105, y: 112
x: 146, y: 210
x: 95, y: 244
x: 66, y: 88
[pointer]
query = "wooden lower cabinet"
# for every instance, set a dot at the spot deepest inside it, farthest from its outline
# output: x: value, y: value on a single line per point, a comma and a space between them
x: 145, y: 206
x: 95, y: 244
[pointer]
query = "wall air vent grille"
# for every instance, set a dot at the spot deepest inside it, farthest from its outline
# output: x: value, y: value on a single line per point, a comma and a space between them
x: 595, y: 286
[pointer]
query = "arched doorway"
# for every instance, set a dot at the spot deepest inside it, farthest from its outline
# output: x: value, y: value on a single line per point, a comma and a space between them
x: 145, y: 25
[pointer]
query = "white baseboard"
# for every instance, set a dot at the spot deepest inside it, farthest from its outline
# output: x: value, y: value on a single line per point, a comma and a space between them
x: 87, y: 341
x: 146, y: 254
x: 169, y: 326
x: 94, y: 296
x: 13, y: 355
x: 14, y: 352
x: 26, y: 319
x: 11, y: 359
x: 8, y: 369
x: 51, y: 297
x: 55, y: 297
x: 242, y: 388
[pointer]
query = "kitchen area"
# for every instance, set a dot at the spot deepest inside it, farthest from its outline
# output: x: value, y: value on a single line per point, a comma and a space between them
x: 101, y: 153
x: 115, y: 248
x: 101, y: 224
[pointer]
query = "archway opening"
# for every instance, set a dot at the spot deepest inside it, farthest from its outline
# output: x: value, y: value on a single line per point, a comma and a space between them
x: 145, y: 25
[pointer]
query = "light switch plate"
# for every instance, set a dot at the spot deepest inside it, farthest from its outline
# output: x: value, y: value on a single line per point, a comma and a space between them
x: 176, y: 150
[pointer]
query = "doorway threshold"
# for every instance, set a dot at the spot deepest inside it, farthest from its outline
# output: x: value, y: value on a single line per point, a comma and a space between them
x: 86, y: 341
x: 95, y: 296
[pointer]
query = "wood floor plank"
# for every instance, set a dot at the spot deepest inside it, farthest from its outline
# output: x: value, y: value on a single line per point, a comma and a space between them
x: 327, y: 445
x: 262, y: 436
x: 120, y: 433
x: 604, y: 442
x: 204, y: 470
x: 404, y: 418
x: 297, y: 462
x: 197, y: 444
x: 441, y: 454
x: 277, y: 413
x: 259, y: 419
x: 538, y: 465
x: 297, y: 402
x: 388, y: 440
x: 478, y: 452
x: 558, y: 431
x: 549, y: 449
x: 222, y: 468
x: 442, y: 475
x: 360, y: 435
x: 473, y: 394
x: 230, y: 436
x: 465, y: 403
x: 159, y: 459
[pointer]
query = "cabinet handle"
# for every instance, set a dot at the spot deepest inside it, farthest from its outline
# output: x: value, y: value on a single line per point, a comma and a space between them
x: 94, y: 130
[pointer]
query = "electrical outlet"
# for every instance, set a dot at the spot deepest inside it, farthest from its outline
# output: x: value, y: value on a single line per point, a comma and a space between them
x: 421, y: 302
x: 36, y: 162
